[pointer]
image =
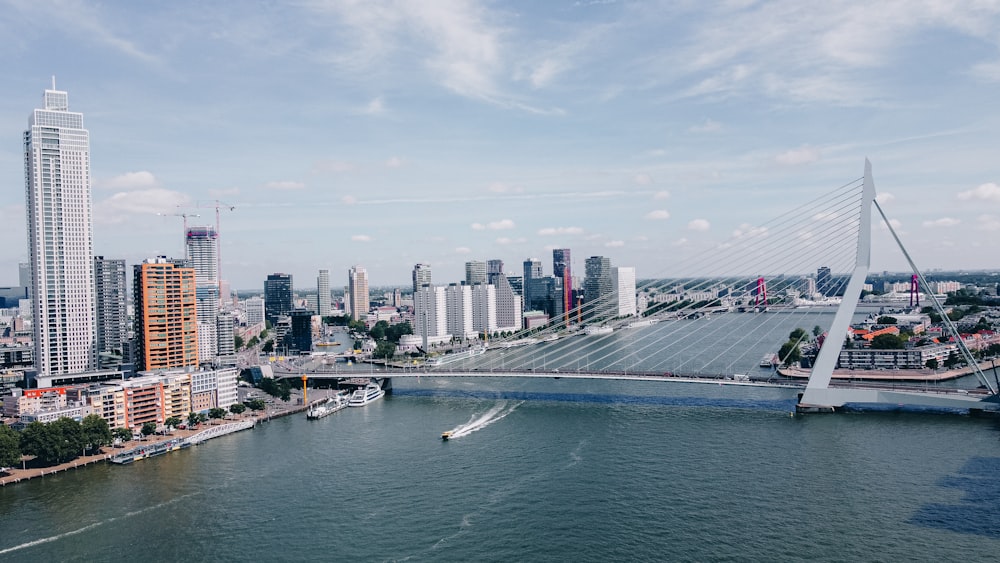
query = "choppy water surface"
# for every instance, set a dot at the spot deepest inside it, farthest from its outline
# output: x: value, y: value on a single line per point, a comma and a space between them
x: 543, y: 470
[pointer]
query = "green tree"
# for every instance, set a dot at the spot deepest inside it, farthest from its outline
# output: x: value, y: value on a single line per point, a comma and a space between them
x: 238, y: 341
x: 789, y: 353
x: 797, y: 335
x: 378, y: 332
x: 956, y: 314
x: 172, y: 422
x: 202, y: 417
x: 216, y: 412
x: 396, y: 331
x: 385, y: 350
x: 268, y: 347
x: 193, y: 419
x: 96, y: 432
x: 10, y: 446
x: 237, y: 408
x: 888, y: 342
x: 254, y: 341
x: 932, y: 363
x: 256, y: 404
x: 952, y: 360
x: 887, y: 320
x: 123, y: 434
x: 148, y: 428
x: 817, y: 330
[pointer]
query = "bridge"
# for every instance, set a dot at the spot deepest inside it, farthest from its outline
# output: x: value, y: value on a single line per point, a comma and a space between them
x: 781, y: 289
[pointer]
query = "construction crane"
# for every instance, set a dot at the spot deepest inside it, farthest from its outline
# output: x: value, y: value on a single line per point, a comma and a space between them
x: 185, y: 216
x: 218, y: 205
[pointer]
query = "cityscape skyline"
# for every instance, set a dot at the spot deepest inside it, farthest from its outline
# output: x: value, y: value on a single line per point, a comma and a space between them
x: 502, y: 131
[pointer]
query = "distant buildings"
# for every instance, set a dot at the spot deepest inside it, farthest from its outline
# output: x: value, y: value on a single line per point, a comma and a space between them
x: 475, y: 272
x: 202, y: 251
x: 623, y: 280
x: 323, y: 297
x: 357, y: 287
x: 60, y: 237
x: 532, y: 272
x: 561, y: 269
x: 277, y: 296
x: 598, y: 285
x: 111, y: 319
x: 458, y: 310
x: 421, y: 276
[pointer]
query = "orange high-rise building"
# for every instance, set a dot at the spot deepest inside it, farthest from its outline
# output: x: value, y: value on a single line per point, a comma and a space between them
x: 166, y: 317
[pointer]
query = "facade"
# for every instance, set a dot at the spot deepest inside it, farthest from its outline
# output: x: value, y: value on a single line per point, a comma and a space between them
x: 323, y: 297
x: 60, y: 237
x: 111, y: 317
x: 824, y: 281
x: 597, y: 286
x: 202, y: 252
x: 300, y: 338
x: 430, y: 313
x: 910, y: 358
x: 459, y: 311
x: 484, y: 308
x: 509, y: 307
x: 225, y: 329
x: 357, y: 278
x: 421, y: 276
x: 253, y: 307
x: 166, y: 320
x: 561, y: 269
x: 277, y: 296
x: 532, y: 271
x: 475, y: 272
x: 623, y: 280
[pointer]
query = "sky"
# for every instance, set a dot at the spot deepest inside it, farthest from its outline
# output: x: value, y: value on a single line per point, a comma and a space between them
x: 386, y: 133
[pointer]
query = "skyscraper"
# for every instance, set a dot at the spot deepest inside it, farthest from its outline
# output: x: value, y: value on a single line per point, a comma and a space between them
x: 357, y: 285
x: 623, y: 281
x: 323, y: 293
x: 508, y: 309
x: 475, y: 272
x: 277, y: 296
x: 166, y: 315
x: 597, y: 286
x: 824, y: 281
x: 561, y: 269
x: 202, y: 252
x: 60, y: 237
x: 112, y: 314
x: 532, y: 271
x: 421, y: 276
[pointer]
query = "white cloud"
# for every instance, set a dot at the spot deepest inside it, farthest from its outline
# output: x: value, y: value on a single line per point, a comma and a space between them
x: 128, y: 181
x: 826, y: 216
x: 224, y: 192
x: 560, y: 231
x: 803, y: 155
x: 284, y: 185
x: 658, y: 215
x: 884, y: 197
x: 463, y: 250
x: 361, y: 238
x: 331, y: 165
x: 680, y: 242
x: 707, y: 126
x: 642, y: 179
x: 982, y: 192
x: 699, y: 225
x: 942, y: 222
x: 502, y: 188
x: 348, y: 200
x: 375, y: 107
x: 394, y: 162
x: 663, y: 194
x: 124, y: 205
x: 988, y: 223
x: 614, y: 243
x: 500, y: 225
x: 748, y: 230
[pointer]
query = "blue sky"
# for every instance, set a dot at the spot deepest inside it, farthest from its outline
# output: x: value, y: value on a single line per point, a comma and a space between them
x: 390, y: 133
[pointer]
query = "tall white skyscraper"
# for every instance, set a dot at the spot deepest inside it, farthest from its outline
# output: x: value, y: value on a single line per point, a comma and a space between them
x: 202, y: 253
x: 60, y: 237
x: 357, y: 279
x: 323, y: 293
x: 623, y: 280
x: 458, y: 310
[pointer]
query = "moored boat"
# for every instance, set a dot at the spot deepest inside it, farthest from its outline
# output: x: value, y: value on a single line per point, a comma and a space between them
x: 367, y: 394
x: 326, y: 408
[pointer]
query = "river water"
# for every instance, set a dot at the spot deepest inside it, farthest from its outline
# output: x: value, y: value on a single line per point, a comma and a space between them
x: 541, y: 470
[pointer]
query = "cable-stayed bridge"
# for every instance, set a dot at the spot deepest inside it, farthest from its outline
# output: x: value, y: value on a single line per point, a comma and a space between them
x: 775, y: 291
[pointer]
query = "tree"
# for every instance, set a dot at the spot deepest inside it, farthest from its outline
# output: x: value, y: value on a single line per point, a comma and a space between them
x: 193, y: 419
x: 172, y: 422
x: 254, y: 341
x: 817, y: 330
x: 256, y: 404
x: 888, y: 342
x: 202, y: 417
x: 10, y: 446
x: 237, y: 408
x: 797, y: 335
x: 932, y: 363
x: 268, y: 347
x: 952, y: 360
x: 56, y: 442
x: 216, y: 412
x: 789, y: 353
x: 238, y: 341
x: 887, y: 320
x: 123, y: 434
x: 148, y: 428
x: 396, y: 331
x: 96, y: 432
x: 385, y: 350
x: 378, y: 332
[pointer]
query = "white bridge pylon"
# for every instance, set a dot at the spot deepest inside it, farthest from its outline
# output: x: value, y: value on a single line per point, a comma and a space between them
x: 820, y: 397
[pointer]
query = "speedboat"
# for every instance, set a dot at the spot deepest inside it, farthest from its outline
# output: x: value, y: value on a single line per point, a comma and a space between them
x: 367, y: 394
x: 446, y: 435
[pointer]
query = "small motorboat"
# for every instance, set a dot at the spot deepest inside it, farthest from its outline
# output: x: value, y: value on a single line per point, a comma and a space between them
x: 446, y: 435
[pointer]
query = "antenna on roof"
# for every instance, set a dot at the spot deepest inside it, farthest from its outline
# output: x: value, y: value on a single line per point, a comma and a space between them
x: 53, y: 82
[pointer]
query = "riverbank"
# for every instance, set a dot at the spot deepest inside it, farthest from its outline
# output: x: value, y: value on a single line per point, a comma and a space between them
x: 924, y: 375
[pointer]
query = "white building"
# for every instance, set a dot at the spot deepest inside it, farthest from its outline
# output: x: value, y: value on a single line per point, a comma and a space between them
x: 60, y: 237
x: 225, y: 325
x: 254, y: 309
x: 202, y: 253
x: 484, y: 308
x: 623, y: 281
x: 357, y: 287
x: 323, y: 293
x: 430, y: 313
x: 459, y: 310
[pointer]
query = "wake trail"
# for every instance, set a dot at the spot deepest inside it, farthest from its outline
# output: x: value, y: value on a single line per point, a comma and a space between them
x: 496, y: 413
x: 57, y: 537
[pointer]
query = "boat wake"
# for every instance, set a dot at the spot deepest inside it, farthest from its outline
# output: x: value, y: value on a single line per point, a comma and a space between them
x: 478, y: 422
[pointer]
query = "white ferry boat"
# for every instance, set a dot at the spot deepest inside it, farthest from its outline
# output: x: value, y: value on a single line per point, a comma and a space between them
x: 595, y: 330
x: 327, y: 407
x: 367, y: 394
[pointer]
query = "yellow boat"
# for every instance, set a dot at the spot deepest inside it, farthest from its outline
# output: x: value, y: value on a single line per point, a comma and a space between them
x: 445, y: 435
